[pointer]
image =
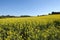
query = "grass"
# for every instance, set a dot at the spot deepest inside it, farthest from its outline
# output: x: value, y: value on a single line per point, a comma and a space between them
x: 30, y: 28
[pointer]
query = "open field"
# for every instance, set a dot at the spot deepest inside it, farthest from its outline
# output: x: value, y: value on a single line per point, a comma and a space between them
x: 30, y: 28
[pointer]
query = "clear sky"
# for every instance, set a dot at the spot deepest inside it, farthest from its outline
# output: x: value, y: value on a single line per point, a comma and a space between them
x: 28, y: 7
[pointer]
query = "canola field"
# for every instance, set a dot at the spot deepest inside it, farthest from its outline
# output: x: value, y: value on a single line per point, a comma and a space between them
x: 30, y: 28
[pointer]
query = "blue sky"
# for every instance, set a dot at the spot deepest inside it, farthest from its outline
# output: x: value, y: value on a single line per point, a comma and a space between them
x: 28, y: 7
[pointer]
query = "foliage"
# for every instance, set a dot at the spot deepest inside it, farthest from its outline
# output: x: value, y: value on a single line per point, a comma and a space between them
x: 32, y: 28
x: 25, y: 16
x: 53, y: 13
x: 7, y: 16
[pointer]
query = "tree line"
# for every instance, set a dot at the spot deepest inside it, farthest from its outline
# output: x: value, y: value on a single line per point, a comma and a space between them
x: 9, y: 16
